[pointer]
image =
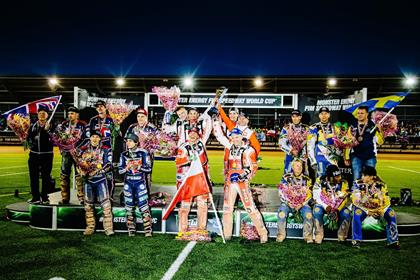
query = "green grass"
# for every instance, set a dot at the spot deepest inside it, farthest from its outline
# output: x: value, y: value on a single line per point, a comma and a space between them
x: 35, y: 254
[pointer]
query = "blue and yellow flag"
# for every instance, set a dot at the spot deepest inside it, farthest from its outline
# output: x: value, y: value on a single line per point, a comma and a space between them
x: 387, y: 102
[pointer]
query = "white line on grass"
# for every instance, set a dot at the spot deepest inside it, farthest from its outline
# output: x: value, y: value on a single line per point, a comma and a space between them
x: 179, y: 260
x: 403, y: 169
x: 26, y: 172
x: 11, y: 167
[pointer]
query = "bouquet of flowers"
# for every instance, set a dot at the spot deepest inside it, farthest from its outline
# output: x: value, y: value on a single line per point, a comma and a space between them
x: 88, y: 162
x: 167, y: 145
x: 20, y: 124
x: 297, y: 138
x: 389, y: 124
x: 194, y: 235
x: 65, y: 139
x: 149, y: 140
x: 159, y: 199
x: 118, y: 113
x: 249, y: 231
x: 331, y: 199
x: 134, y: 165
x: 296, y: 196
x: 372, y: 199
x: 168, y: 96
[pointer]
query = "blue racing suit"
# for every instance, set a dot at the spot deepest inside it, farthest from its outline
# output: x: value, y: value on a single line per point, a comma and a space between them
x: 96, y: 187
x: 104, y: 127
x: 285, y: 206
x: 137, y: 130
x: 320, y: 143
x: 135, y: 164
x: 286, y: 146
x: 373, y: 200
x: 338, y: 204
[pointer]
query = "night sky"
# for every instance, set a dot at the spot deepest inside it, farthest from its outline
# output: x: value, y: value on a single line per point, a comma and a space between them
x: 209, y: 38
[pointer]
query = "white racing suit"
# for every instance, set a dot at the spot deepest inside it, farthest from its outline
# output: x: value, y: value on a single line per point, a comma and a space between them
x: 240, y: 166
x: 183, y: 160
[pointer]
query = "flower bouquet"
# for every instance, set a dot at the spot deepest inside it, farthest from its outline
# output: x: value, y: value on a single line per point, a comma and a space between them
x: 20, y: 124
x: 168, y: 96
x: 167, y: 145
x: 65, y: 138
x: 88, y: 163
x: 297, y: 138
x: 296, y: 196
x: 134, y: 165
x: 149, y: 140
x: 389, y: 124
x: 249, y: 231
x: 159, y: 199
x: 331, y: 199
x: 193, y: 234
x: 118, y: 113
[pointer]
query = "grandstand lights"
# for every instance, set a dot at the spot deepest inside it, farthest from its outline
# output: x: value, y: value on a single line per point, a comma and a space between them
x: 120, y: 82
x: 188, y: 82
x: 258, y: 82
x: 332, y: 82
x: 410, y: 82
x: 53, y: 82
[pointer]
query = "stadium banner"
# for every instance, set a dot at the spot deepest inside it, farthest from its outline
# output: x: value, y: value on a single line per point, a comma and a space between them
x: 83, y: 99
x: 172, y: 221
x: 240, y: 100
x: 55, y: 217
x: 73, y: 218
x: 372, y: 228
x: 336, y: 102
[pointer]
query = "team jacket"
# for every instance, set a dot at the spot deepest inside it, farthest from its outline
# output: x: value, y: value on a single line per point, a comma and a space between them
x: 319, y: 138
x: 103, y: 126
x: 39, y: 139
x: 135, y: 163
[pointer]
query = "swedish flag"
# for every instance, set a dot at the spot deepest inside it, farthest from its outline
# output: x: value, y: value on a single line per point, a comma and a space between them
x: 387, y: 102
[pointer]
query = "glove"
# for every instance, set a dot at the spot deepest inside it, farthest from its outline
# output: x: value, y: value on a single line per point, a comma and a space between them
x: 234, y: 177
x: 242, y: 177
x: 213, y: 111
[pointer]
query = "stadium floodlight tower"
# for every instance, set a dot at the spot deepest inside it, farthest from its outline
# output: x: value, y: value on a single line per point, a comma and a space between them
x: 258, y: 82
x: 53, y: 81
x: 120, y: 82
x: 410, y: 82
x: 332, y: 82
x: 188, y: 82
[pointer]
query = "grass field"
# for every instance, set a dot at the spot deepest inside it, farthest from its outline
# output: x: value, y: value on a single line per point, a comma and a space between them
x: 34, y: 254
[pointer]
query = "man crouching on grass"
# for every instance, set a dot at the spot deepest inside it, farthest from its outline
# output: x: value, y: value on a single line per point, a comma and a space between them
x: 94, y: 161
x: 370, y: 198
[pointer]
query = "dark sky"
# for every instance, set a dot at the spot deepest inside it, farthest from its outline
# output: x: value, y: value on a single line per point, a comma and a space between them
x: 209, y: 38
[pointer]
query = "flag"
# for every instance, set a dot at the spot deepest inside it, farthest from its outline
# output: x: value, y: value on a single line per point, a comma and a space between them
x: 32, y: 107
x: 387, y: 102
x: 195, y: 183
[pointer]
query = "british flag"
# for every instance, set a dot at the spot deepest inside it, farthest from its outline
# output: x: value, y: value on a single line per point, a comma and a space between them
x: 32, y: 107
